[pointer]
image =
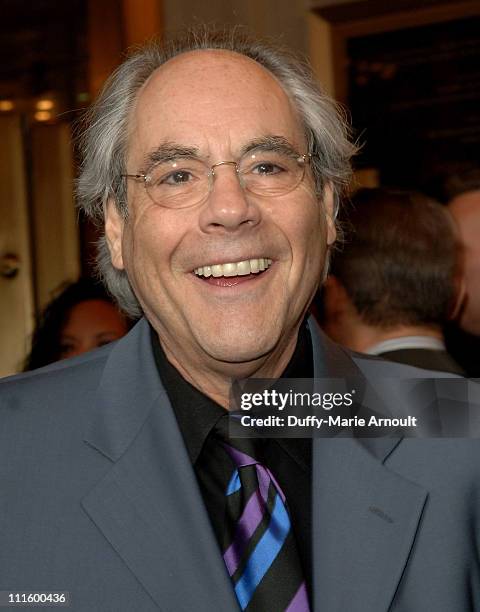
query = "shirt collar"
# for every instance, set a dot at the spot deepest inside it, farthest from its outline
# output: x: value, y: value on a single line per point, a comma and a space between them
x: 406, y: 342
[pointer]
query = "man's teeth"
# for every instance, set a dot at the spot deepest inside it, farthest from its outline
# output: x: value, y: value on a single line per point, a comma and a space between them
x: 241, y: 268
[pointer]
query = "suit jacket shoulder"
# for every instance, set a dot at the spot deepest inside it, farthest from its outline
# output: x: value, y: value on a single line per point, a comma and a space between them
x: 403, y: 528
x: 97, y: 493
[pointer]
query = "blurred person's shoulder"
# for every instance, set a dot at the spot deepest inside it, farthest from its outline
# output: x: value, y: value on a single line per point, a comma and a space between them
x: 371, y: 365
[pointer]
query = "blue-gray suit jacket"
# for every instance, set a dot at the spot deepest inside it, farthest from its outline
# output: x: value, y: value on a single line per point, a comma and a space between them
x: 98, y: 498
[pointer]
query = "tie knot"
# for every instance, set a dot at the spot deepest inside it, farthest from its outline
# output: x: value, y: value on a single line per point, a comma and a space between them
x: 242, y: 451
x: 239, y: 458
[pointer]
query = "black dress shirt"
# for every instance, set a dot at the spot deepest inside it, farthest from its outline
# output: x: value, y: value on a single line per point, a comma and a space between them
x: 289, y: 459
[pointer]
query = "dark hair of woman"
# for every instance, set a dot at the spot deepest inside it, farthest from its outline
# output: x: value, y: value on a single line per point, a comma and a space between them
x: 47, y: 340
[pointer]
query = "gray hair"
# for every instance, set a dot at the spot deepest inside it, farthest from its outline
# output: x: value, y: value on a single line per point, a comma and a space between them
x: 103, y: 145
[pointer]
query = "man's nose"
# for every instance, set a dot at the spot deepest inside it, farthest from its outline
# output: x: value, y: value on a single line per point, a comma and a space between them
x: 228, y: 206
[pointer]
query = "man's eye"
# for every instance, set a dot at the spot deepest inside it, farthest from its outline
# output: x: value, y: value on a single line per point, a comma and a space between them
x: 267, y: 168
x: 169, y: 176
x: 176, y: 178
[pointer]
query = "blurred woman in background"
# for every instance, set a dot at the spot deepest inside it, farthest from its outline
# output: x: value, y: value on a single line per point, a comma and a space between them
x: 80, y: 318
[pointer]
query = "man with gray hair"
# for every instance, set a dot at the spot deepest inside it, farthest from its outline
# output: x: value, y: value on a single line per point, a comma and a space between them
x: 216, y: 166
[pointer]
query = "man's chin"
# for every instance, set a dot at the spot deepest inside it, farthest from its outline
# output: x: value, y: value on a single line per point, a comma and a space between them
x: 238, y: 353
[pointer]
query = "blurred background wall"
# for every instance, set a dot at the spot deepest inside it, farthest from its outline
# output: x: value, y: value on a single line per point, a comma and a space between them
x: 408, y: 71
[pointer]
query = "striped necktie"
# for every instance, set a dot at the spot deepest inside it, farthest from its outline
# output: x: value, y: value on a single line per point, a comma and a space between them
x: 259, y: 550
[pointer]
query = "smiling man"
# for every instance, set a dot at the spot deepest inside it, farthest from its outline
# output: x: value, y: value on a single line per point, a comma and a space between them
x: 226, y: 237
x: 216, y: 166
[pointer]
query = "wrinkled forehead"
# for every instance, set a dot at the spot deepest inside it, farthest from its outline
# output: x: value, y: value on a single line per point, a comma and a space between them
x: 204, y: 87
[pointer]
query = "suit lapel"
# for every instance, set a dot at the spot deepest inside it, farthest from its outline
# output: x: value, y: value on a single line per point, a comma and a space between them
x: 365, y: 521
x: 365, y: 516
x: 148, y: 505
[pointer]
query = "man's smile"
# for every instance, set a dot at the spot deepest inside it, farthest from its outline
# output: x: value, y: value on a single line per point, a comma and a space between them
x: 239, y: 268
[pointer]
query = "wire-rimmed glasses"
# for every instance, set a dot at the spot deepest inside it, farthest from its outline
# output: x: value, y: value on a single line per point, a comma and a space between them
x: 187, y: 181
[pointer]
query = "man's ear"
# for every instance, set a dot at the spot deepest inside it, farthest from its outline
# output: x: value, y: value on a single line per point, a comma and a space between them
x: 114, y: 226
x: 329, y: 208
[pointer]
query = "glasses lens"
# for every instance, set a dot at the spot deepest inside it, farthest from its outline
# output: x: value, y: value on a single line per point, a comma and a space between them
x: 271, y: 173
x: 177, y: 184
x: 185, y: 182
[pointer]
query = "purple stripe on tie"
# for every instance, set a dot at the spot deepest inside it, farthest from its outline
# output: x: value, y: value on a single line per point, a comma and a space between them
x: 299, y: 602
x: 252, y: 516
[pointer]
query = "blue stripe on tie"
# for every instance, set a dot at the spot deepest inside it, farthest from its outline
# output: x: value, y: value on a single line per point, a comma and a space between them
x: 264, y: 553
x: 234, y: 484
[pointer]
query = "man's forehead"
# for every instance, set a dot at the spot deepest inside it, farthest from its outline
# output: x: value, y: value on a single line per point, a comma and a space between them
x: 214, y: 79
x: 202, y: 87
x: 202, y: 62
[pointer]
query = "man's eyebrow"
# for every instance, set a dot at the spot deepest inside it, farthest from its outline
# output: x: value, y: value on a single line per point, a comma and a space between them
x: 168, y: 151
x: 278, y: 144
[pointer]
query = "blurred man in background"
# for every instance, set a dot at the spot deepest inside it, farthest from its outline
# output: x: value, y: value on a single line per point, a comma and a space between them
x: 393, y: 284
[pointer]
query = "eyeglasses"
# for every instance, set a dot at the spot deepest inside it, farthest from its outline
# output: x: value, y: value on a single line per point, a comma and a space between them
x: 185, y: 182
